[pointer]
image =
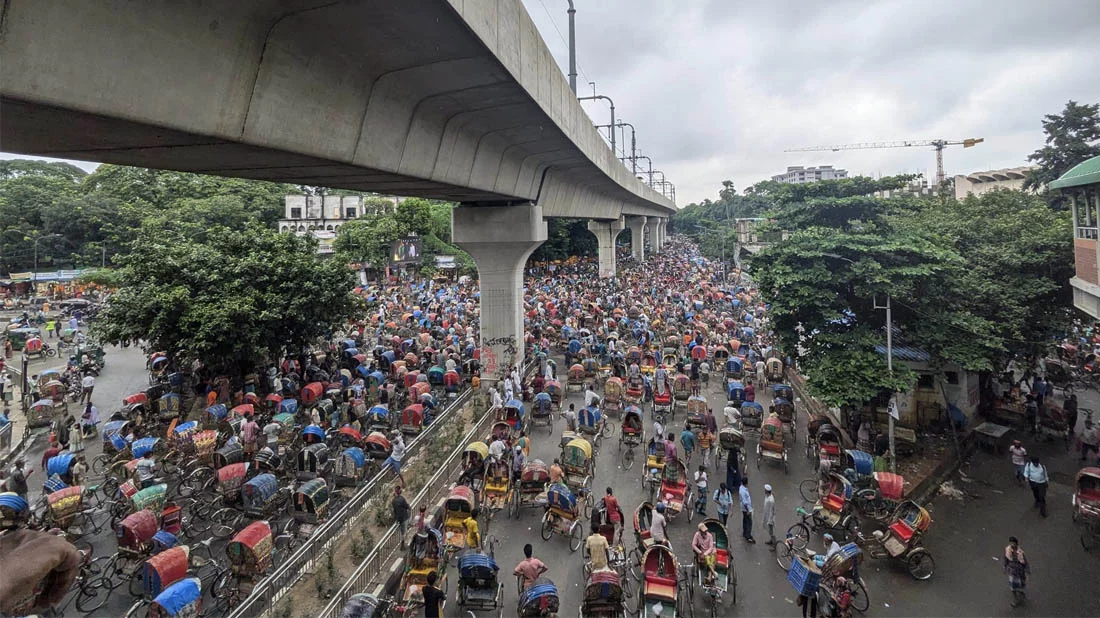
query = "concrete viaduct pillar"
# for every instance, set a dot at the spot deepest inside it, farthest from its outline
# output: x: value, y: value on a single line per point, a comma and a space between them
x: 663, y: 232
x: 500, y: 239
x: 606, y: 232
x: 655, y: 234
x: 637, y: 241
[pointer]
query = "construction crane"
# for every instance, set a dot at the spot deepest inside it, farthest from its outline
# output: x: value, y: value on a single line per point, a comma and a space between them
x: 938, y: 144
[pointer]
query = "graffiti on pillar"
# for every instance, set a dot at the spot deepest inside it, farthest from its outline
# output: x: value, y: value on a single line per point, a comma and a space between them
x: 489, y: 363
x: 508, y: 344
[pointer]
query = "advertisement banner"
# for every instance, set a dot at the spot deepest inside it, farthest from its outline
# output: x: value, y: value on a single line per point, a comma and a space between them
x: 405, y: 251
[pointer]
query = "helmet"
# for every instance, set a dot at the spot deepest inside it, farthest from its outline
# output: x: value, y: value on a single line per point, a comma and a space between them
x: 660, y: 507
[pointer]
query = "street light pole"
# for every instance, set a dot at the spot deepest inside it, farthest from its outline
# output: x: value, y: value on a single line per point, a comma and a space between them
x: 600, y: 96
x: 891, y: 408
x: 573, y: 48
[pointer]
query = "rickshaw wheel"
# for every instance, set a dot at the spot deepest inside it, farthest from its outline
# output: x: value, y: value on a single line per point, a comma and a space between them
x: 136, y: 584
x: 547, y: 527
x: 576, y: 536
x: 851, y: 527
x: 513, y: 506
x: 860, y: 599
x: 799, y: 534
x: 921, y: 564
x: 92, y: 595
x: 627, y: 459
x: 607, y: 429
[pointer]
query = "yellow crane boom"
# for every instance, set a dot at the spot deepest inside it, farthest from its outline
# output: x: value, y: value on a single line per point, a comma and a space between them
x: 938, y: 144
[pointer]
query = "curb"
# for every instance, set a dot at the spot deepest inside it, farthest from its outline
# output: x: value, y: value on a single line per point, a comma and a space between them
x: 926, y: 490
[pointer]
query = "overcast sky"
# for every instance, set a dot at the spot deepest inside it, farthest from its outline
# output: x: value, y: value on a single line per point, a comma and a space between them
x: 718, y: 89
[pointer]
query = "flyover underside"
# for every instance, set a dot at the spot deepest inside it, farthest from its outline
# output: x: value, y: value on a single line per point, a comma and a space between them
x: 457, y: 101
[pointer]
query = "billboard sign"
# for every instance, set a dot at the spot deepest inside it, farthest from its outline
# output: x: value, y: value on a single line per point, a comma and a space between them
x: 405, y: 251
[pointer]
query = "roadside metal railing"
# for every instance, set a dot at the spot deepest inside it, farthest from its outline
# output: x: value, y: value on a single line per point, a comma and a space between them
x: 367, y: 574
x: 349, y: 517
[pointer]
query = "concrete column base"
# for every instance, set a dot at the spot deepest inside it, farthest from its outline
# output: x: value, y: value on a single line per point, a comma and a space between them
x: 606, y: 232
x: 637, y: 238
x: 662, y: 232
x: 499, y: 239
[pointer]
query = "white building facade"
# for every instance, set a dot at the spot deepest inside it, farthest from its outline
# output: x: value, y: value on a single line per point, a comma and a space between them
x: 320, y: 216
x: 796, y: 174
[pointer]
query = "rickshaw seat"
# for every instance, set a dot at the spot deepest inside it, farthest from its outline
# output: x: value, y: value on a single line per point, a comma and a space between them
x: 660, y: 587
x: 902, y: 530
x: 833, y: 502
x: 1090, y: 495
x: 830, y: 449
x: 722, y: 557
x: 566, y: 515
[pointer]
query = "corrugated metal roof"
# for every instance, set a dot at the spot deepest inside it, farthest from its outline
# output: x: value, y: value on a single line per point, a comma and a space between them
x: 1086, y: 172
x: 906, y: 353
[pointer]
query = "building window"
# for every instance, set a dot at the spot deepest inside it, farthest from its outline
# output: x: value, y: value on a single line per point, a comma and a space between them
x: 295, y: 213
x: 925, y: 382
x: 349, y: 213
x: 952, y: 377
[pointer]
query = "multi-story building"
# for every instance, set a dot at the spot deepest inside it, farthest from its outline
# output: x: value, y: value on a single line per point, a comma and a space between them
x: 320, y: 216
x: 978, y: 183
x: 796, y: 174
x: 1082, y: 185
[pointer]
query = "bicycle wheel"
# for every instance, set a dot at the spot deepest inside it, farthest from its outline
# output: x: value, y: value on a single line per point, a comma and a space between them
x: 92, y: 595
x: 101, y: 463
x: 808, y: 489
x: 136, y: 585
x: 799, y: 535
x: 785, y: 556
x: 225, y: 523
x: 860, y: 599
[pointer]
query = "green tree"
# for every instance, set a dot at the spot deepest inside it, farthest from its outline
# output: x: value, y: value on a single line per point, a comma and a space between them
x: 1071, y: 137
x: 233, y: 298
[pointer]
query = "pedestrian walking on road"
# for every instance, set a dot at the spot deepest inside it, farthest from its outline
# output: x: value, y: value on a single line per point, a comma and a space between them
x: 724, y: 499
x: 1070, y: 408
x: 1017, y: 567
x: 87, y: 385
x: 769, y: 514
x: 746, y: 510
x: 1036, y: 474
x: 733, y: 473
x: 701, y: 491
x: 401, y: 513
x: 1019, y: 459
x: 17, y: 478
x: 396, y: 455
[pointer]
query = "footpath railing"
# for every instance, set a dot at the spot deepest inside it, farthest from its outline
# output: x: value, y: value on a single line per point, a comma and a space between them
x: 366, y: 575
x: 349, y: 517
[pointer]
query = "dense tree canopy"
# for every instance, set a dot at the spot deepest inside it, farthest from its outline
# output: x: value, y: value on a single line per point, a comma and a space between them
x: 1071, y: 137
x: 971, y: 282
x: 229, y: 296
x: 87, y: 219
x: 368, y: 239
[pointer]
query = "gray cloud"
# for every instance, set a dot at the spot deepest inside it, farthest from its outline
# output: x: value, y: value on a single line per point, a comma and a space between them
x: 719, y: 88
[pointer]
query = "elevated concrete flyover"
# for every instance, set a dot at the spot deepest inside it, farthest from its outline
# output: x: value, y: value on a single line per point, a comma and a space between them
x: 458, y: 100
x: 450, y: 99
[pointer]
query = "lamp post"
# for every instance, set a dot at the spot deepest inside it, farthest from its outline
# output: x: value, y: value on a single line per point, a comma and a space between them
x: 573, y: 48
x: 38, y: 238
x: 633, y: 143
x: 608, y: 99
x: 891, y: 407
x: 650, y: 172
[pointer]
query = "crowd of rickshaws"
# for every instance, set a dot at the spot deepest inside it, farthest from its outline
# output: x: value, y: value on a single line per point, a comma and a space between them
x: 195, y: 509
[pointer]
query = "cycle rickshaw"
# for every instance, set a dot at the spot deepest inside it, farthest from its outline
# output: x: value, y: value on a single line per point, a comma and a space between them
x: 533, y: 480
x: 313, y: 461
x: 562, y: 516
x: 578, y: 466
x: 603, y: 596
x: 613, y: 395
x: 262, y: 498
x: 311, y: 501
x: 478, y: 585
x: 723, y: 587
x: 675, y: 491
x: 542, y: 412
x: 661, y: 594
x: 772, y: 444
x: 458, y: 507
x: 351, y: 467
x: 631, y: 435
x: 540, y: 600
x: 473, y: 465
x: 249, y: 556
x: 426, y: 554
x: 592, y: 424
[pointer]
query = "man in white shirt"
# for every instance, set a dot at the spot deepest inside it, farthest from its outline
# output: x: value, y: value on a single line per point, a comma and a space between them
x: 834, y: 547
x: 658, y: 526
x: 590, y: 397
x: 87, y: 384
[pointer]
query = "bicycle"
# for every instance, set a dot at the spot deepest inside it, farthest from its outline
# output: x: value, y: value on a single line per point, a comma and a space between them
x: 92, y: 591
x: 845, y: 528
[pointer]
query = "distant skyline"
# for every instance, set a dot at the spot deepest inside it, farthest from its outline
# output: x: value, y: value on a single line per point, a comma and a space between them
x: 717, y: 90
